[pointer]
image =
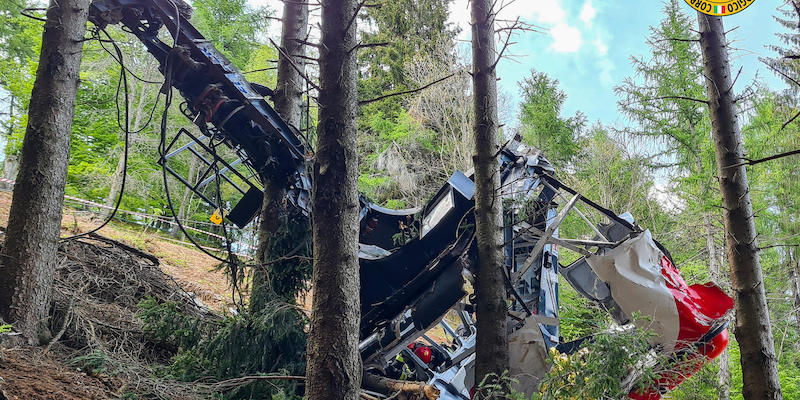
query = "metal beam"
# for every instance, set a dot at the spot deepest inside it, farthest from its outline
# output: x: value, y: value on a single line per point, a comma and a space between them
x: 548, y: 232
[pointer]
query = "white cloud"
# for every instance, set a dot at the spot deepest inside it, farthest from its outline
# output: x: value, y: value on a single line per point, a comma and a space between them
x: 544, y: 11
x: 588, y: 13
x: 600, y: 46
x: 606, y: 66
x: 566, y: 38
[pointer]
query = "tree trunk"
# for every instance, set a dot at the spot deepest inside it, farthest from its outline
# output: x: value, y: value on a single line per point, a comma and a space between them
x: 289, y: 105
x: 401, y: 389
x: 289, y: 90
x: 334, y: 365
x: 116, y: 179
x: 183, y: 209
x: 492, y: 340
x: 10, y: 126
x: 116, y: 185
x: 29, y: 254
x: 794, y: 276
x: 724, y: 373
x: 752, y: 330
x: 273, y: 216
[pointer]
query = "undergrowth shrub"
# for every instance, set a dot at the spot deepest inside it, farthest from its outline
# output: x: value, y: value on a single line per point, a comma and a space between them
x: 601, y: 368
x: 269, y: 341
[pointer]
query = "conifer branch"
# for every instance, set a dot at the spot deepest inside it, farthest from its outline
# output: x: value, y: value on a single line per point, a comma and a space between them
x: 404, y: 92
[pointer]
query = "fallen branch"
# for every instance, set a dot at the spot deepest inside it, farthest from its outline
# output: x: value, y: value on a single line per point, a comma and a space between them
x: 400, y: 389
x: 226, y: 385
x: 127, y: 248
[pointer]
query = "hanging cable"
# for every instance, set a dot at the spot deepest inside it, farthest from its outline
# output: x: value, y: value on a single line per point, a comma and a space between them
x: 118, y: 59
x: 122, y: 83
x: 232, y: 260
x: 162, y: 152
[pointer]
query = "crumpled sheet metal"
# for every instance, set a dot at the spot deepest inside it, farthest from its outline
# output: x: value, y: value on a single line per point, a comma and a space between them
x: 643, y: 280
x: 632, y: 271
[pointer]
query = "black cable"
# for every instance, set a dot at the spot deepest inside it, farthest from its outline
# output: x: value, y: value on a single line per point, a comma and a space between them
x: 122, y: 64
x: 232, y: 261
x: 112, y: 41
x: 25, y: 13
x: 162, y: 152
x: 121, y: 83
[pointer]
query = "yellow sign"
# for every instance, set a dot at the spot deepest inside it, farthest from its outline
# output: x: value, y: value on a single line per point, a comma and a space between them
x: 216, y: 217
x: 719, y: 8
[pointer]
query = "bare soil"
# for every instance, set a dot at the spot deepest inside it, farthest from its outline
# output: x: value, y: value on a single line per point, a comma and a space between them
x: 30, y: 374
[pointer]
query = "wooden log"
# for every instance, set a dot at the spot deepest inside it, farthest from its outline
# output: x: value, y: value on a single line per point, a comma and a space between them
x: 402, y: 390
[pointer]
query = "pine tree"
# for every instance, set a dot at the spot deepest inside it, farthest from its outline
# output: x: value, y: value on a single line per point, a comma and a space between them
x: 753, y: 331
x: 786, y: 66
x: 491, y: 354
x: 668, y: 104
x: 282, y: 229
x: 29, y: 253
x: 540, y: 120
x: 334, y: 363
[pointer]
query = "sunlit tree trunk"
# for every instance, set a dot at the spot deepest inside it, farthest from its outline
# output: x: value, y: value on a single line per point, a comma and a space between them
x: 333, y: 369
x: 492, y: 340
x: 28, y: 256
x: 753, y: 330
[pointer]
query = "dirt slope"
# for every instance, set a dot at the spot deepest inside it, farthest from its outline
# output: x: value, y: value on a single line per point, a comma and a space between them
x: 192, y: 268
x: 29, y: 374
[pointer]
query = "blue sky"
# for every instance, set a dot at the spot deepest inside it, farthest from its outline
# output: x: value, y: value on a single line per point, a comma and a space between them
x: 590, y: 42
x: 587, y: 45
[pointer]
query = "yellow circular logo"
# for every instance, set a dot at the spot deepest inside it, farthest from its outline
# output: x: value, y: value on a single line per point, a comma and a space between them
x: 719, y: 8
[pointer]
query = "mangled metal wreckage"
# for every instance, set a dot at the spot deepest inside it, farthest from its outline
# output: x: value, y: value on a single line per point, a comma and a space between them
x: 415, y: 264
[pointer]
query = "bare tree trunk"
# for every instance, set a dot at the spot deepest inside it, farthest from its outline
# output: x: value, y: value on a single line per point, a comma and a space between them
x: 10, y: 161
x: 289, y: 105
x: 289, y: 90
x: 273, y: 216
x: 29, y: 254
x: 753, y: 330
x: 333, y: 369
x: 794, y: 276
x: 116, y: 178
x: 402, y: 389
x: 492, y: 340
x: 183, y: 209
x: 724, y: 374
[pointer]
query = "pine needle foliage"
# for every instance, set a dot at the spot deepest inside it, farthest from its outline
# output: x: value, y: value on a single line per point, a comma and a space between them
x: 269, y: 341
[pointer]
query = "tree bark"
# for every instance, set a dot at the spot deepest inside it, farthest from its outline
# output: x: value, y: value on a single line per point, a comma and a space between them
x: 492, y: 339
x: 402, y: 389
x: 289, y: 105
x: 752, y: 329
x: 289, y: 91
x: 273, y: 216
x: 334, y: 364
x: 794, y: 276
x: 29, y: 254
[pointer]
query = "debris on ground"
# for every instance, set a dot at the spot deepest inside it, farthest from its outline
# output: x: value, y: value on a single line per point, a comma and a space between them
x: 98, y: 349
